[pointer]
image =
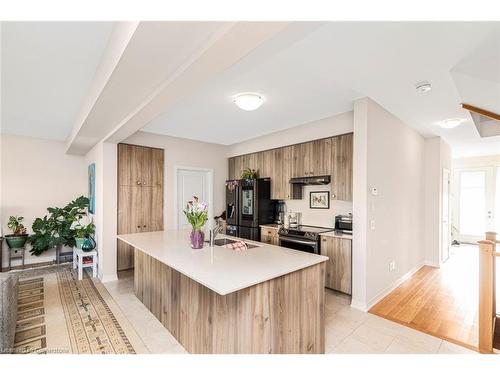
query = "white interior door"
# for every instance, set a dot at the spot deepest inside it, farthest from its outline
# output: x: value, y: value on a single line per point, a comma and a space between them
x: 191, y: 182
x: 445, y: 217
x: 476, y: 203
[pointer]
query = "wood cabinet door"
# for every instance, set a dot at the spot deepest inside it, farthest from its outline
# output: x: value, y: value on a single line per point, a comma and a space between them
x: 265, y: 164
x: 302, y: 159
x: 342, y: 154
x: 157, y: 167
x: 130, y: 211
x: 129, y: 221
x: 129, y: 165
x: 156, y: 215
x: 276, y: 173
x: 322, y: 157
x: 238, y: 167
x: 339, y: 265
x: 249, y: 161
x: 230, y: 169
x: 286, y: 171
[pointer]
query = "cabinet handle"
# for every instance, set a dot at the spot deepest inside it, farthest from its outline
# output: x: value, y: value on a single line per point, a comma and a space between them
x: 144, y: 182
x: 138, y: 182
x: 144, y: 226
x: 333, y: 195
x: 139, y: 227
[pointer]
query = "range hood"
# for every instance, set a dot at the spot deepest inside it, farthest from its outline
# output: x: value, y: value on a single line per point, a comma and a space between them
x: 315, y: 180
x: 298, y: 182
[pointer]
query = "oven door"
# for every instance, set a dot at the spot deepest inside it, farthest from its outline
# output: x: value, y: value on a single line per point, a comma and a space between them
x: 308, y: 246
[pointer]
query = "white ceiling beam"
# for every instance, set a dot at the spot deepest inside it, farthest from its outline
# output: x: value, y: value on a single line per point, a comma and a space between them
x: 234, y: 44
x: 118, y: 41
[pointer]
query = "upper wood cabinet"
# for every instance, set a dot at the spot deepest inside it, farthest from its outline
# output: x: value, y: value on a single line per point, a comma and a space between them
x: 342, y: 153
x: 322, y: 157
x: 139, y: 166
x: 302, y: 164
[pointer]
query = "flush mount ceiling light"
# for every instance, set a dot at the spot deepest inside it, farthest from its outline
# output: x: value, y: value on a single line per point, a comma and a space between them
x: 450, y: 123
x: 423, y: 87
x: 248, y: 101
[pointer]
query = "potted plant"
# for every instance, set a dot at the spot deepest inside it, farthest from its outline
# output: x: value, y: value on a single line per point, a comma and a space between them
x: 18, y: 237
x: 197, y: 214
x: 82, y: 232
x: 57, y: 229
x: 249, y: 174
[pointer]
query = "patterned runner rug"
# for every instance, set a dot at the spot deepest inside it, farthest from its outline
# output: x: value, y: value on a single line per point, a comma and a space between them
x: 57, y: 313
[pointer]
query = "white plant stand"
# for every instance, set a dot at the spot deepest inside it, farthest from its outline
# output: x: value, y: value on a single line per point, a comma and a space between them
x: 78, y: 255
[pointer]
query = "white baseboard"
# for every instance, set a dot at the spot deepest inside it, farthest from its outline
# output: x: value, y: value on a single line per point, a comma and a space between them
x: 393, y: 286
x: 432, y: 264
x: 359, y: 305
x: 108, y: 278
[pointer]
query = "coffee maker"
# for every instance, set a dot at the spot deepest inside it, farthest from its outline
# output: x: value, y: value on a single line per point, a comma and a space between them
x: 279, y: 212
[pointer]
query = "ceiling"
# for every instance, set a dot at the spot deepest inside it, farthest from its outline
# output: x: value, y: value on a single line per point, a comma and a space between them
x: 47, y: 68
x: 307, y: 71
x: 331, y: 64
x: 294, y: 93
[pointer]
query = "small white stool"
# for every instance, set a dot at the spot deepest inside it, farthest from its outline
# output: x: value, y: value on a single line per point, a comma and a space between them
x: 78, y: 255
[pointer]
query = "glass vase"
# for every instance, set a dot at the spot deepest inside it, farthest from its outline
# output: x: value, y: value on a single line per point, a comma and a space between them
x: 197, y: 238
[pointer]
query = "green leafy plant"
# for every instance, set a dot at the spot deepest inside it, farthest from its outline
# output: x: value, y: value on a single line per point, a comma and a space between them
x: 249, y: 174
x: 57, y: 228
x: 81, y: 231
x: 15, y: 224
x: 196, y: 213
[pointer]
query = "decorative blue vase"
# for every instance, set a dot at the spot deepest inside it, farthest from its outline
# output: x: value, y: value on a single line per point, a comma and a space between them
x: 88, y: 244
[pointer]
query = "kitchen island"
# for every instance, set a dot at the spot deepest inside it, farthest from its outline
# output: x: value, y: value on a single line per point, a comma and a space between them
x: 266, y: 299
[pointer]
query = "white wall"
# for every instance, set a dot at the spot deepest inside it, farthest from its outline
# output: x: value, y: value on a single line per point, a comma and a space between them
x: 180, y: 152
x: 318, y: 217
x: 327, y: 127
x: 104, y: 155
x: 389, y: 156
x: 37, y: 174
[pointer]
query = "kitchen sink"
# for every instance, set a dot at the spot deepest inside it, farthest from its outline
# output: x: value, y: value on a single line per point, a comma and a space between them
x: 227, y: 241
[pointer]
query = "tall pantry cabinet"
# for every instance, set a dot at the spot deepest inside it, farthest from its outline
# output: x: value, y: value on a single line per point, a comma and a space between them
x: 140, y: 195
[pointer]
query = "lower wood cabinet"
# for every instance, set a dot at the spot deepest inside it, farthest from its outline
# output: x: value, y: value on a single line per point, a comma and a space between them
x: 269, y: 235
x: 339, y: 265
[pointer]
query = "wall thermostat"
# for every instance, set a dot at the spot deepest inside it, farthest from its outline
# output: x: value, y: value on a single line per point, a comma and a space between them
x: 374, y: 191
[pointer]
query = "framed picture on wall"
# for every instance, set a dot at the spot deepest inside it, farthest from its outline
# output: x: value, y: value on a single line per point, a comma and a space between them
x: 92, y: 188
x: 319, y: 199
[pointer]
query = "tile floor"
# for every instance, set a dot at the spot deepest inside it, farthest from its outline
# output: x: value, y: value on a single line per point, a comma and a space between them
x: 348, y: 331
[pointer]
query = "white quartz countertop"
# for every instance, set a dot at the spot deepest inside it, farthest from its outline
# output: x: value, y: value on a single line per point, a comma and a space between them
x: 337, y: 235
x: 218, y: 268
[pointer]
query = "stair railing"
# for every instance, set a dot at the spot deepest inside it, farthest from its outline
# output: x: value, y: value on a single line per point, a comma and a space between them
x: 487, y: 294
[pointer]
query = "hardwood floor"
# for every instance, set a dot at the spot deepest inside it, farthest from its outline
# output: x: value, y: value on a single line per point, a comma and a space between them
x: 441, y: 302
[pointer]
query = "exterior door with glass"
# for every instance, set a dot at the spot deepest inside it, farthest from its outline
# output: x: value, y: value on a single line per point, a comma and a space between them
x: 476, y: 200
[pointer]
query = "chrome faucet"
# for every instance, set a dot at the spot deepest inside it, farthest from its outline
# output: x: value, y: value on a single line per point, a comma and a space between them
x: 214, y: 232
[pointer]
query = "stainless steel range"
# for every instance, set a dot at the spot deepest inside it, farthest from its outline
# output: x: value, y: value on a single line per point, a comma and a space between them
x: 303, y: 238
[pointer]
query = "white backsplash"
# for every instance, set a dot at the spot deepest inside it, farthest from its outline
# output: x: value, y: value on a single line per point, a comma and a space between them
x: 315, y: 216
